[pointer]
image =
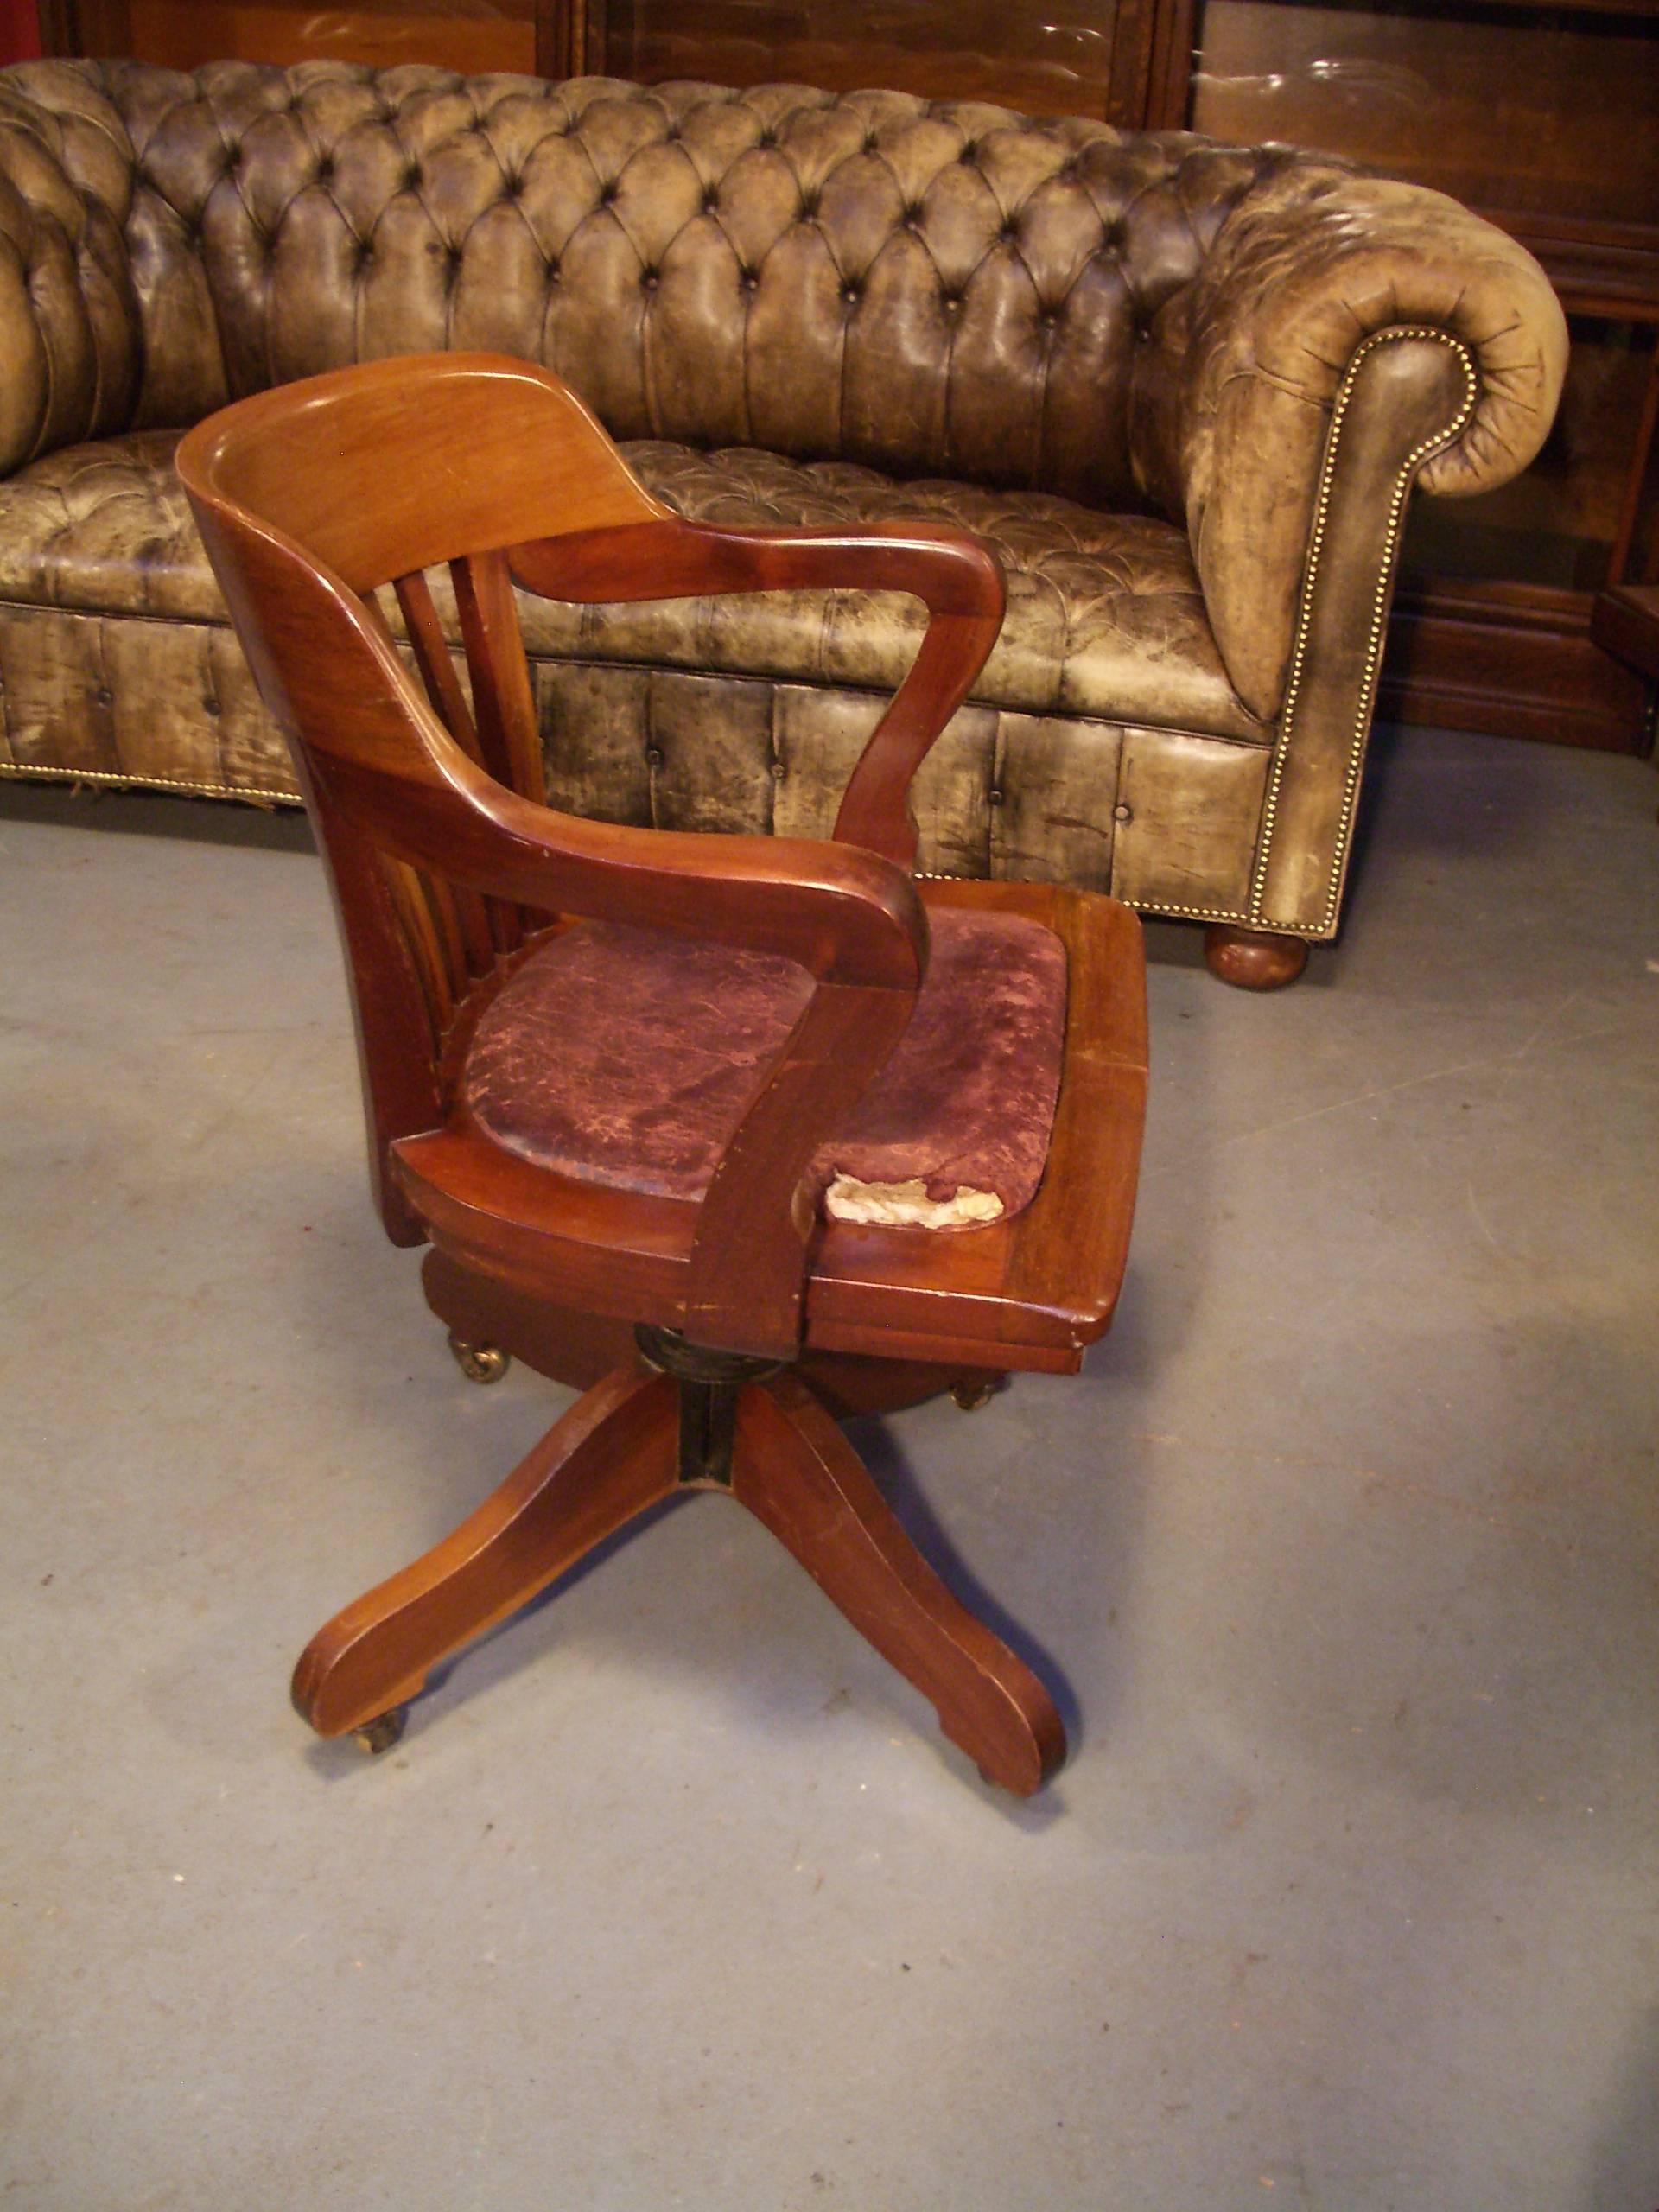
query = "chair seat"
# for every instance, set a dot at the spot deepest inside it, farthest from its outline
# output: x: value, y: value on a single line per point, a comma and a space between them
x: 627, y: 1056
x: 1028, y: 1292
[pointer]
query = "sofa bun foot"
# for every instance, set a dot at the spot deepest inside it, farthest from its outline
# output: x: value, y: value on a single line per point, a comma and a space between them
x: 1255, y: 960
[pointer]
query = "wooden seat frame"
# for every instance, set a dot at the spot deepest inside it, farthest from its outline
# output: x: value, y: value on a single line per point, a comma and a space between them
x: 715, y: 1339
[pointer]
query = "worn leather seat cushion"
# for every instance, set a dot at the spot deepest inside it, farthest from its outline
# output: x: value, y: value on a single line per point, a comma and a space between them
x: 1105, y: 616
x: 647, y: 1098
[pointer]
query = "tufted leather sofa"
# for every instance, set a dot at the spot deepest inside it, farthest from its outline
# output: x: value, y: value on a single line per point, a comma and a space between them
x: 1184, y: 388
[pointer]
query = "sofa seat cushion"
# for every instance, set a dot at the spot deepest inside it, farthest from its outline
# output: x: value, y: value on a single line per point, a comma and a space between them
x: 627, y: 1056
x: 105, y: 529
x: 1104, y: 613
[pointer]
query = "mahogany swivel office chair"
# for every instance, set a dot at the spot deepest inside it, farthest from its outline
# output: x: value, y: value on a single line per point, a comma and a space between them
x: 674, y: 1111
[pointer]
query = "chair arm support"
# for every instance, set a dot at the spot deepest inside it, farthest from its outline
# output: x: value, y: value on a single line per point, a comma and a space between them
x: 846, y: 915
x: 69, y: 322
x: 1236, y: 398
x: 379, y: 750
x: 851, y: 918
x: 372, y: 750
x: 957, y: 576
x: 755, y: 1225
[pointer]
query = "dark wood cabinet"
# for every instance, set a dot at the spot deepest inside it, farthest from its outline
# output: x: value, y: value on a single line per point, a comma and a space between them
x: 1046, y: 57
x: 468, y: 34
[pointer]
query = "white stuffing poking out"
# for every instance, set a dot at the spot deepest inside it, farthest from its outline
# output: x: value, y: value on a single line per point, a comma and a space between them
x: 906, y: 1205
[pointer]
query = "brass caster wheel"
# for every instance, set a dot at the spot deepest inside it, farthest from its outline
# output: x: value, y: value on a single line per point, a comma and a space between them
x: 480, y: 1363
x: 381, y: 1733
x: 971, y: 1393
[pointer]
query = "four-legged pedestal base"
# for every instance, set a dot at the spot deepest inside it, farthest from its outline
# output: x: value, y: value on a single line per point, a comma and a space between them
x: 676, y: 1417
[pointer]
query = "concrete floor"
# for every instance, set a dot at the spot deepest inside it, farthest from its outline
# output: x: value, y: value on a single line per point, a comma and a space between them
x: 1342, y: 1553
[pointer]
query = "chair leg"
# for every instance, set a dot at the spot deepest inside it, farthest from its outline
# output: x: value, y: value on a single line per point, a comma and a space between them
x: 795, y: 1472
x: 611, y: 1455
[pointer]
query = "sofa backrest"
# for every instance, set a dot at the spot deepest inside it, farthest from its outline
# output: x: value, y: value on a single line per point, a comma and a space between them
x: 71, y: 335
x: 933, y: 288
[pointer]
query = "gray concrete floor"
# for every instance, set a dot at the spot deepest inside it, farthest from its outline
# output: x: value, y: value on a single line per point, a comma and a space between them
x: 1342, y: 1553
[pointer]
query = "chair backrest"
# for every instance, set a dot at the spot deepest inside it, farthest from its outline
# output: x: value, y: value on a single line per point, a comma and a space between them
x: 313, y: 499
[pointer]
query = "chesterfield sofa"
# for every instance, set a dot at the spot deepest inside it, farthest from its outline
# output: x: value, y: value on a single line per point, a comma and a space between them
x: 1184, y: 390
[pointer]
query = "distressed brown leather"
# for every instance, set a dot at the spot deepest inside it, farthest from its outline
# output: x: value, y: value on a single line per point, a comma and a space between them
x: 1121, y: 358
x: 1247, y: 361
x: 1403, y: 391
x: 1104, y: 613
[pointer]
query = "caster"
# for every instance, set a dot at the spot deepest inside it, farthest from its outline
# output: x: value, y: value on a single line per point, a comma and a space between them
x: 480, y: 1363
x: 381, y: 1733
x: 974, y: 1391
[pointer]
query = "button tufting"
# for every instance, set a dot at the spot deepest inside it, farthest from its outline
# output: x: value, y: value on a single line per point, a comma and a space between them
x: 413, y: 177
x: 654, y: 755
x: 994, y: 795
x: 326, y: 169
x: 607, y: 194
x: 711, y: 200
x: 1123, y: 813
x: 649, y: 279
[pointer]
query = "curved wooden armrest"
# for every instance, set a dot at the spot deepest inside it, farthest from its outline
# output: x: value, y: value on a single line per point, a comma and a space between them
x: 377, y: 756
x: 956, y: 575
x: 850, y: 916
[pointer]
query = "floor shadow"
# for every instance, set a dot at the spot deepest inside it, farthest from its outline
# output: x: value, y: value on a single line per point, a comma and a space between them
x: 1625, y: 2157
x: 495, y: 1655
x: 880, y: 1449
x: 508, y: 1648
x: 277, y: 829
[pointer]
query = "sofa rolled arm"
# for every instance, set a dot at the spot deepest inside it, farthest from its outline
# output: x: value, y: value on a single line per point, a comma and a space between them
x: 71, y: 349
x: 1251, y: 365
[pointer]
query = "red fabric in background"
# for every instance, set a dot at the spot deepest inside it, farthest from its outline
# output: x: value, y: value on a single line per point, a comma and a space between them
x: 20, y: 31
